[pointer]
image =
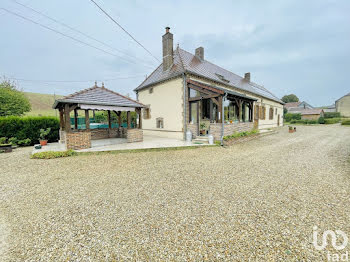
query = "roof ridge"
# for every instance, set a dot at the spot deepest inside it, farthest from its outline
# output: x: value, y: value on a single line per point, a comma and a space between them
x: 148, y: 77
x: 116, y: 93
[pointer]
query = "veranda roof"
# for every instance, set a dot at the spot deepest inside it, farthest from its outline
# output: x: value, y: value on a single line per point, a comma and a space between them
x: 99, y: 98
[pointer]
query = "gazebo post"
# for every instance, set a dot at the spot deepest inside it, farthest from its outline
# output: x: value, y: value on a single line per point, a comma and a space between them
x: 61, y: 119
x: 119, y: 119
x: 109, y: 119
x: 140, y: 118
x: 128, y: 119
x: 75, y: 118
x: 67, y: 117
x: 87, y: 119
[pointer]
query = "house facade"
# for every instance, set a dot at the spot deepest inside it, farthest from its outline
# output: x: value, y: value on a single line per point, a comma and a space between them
x: 186, y: 92
x: 342, y: 105
x: 297, y: 105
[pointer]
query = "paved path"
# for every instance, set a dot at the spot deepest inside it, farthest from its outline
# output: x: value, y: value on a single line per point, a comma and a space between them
x: 253, y: 201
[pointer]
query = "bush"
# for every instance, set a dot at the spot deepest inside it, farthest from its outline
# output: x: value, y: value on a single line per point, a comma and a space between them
x: 329, y: 121
x: 291, y: 116
x: 3, y: 140
x: 331, y: 115
x: 12, y: 101
x: 53, y: 154
x: 304, y: 121
x: 346, y: 122
x: 13, y: 141
x: 29, y: 127
x: 24, y: 142
x: 241, y: 134
x: 321, y: 120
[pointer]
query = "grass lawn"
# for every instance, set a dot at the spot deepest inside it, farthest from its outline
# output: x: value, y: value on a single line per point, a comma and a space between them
x: 41, y: 104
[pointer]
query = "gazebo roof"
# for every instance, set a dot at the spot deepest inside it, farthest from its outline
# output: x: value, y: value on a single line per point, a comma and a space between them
x: 98, y: 96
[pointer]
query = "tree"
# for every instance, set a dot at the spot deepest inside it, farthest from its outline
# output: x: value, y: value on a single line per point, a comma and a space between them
x: 12, y: 101
x: 290, y: 98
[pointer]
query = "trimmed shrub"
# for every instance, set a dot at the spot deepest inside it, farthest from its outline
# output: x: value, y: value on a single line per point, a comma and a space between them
x: 332, y: 115
x: 304, y: 121
x: 346, y: 122
x: 241, y: 134
x: 52, y: 154
x: 29, y: 127
x: 290, y: 116
x: 3, y: 140
x: 321, y: 120
x: 330, y: 121
x: 24, y: 142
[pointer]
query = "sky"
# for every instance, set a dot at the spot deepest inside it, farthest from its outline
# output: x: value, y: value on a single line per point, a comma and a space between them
x: 299, y: 47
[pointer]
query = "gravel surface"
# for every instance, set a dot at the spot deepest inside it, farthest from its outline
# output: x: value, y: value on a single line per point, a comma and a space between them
x: 257, y: 201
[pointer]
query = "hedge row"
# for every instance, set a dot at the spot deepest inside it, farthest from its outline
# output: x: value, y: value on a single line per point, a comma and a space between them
x: 29, y: 127
x: 290, y: 116
x: 346, y: 122
x: 332, y: 115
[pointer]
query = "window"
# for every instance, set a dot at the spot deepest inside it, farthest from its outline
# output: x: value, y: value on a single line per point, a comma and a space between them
x: 262, y: 112
x: 160, y: 122
x: 271, y: 113
x: 146, y: 113
x: 150, y: 90
x: 193, y: 112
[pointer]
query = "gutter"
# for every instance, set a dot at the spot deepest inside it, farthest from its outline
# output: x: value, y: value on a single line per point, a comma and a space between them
x: 223, y: 119
x: 185, y: 113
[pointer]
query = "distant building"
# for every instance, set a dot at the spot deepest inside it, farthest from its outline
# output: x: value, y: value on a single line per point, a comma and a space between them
x: 308, y: 113
x: 329, y: 109
x: 342, y: 105
x: 297, y: 105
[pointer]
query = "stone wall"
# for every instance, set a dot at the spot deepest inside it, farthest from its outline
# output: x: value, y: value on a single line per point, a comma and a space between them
x: 229, y: 129
x: 78, y: 139
x: 134, y: 135
x: 62, y: 134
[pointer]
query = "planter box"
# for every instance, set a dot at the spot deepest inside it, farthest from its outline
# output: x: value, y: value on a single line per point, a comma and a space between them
x: 6, y: 148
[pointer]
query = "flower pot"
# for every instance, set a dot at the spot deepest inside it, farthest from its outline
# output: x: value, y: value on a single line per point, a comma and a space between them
x: 6, y: 148
x: 291, y: 131
x: 43, y: 142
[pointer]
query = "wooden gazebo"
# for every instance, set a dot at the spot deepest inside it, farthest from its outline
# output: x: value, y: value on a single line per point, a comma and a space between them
x: 97, y: 98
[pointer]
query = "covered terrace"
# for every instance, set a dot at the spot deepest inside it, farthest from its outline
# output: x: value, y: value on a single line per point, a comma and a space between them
x: 98, y: 98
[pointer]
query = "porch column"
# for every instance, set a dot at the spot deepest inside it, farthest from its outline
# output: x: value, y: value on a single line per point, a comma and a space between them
x: 221, y: 113
x: 75, y: 119
x: 67, y: 117
x: 61, y: 119
x: 239, y: 110
x: 87, y: 119
x: 128, y: 119
x: 109, y: 119
x: 139, y: 111
x: 119, y: 119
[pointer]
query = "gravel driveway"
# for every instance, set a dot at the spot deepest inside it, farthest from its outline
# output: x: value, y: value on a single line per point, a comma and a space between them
x: 257, y: 200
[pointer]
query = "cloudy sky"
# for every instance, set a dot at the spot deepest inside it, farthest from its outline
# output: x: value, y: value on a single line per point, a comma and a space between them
x: 299, y: 47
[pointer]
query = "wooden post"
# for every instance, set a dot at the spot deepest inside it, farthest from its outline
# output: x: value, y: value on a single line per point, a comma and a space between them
x: 240, y: 110
x: 109, y: 119
x: 119, y: 118
x: 61, y: 119
x: 128, y: 119
x: 220, y: 109
x: 67, y: 117
x: 87, y: 119
x: 75, y: 119
x: 140, y: 118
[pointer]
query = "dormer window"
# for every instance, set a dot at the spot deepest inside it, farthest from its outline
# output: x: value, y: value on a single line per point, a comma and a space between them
x: 222, y: 78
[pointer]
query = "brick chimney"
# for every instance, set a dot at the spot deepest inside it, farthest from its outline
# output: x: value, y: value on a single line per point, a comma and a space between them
x: 200, y: 53
x: 167, y: 49
x: 247, y: 77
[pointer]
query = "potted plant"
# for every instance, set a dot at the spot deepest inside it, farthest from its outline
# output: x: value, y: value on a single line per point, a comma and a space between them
x: 202, y: 128
x: 6, y: 148
x: 43, y: 136
x: 291, y: 130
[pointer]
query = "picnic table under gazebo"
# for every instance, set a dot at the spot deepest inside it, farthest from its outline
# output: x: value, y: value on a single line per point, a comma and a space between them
x: 101, y: 99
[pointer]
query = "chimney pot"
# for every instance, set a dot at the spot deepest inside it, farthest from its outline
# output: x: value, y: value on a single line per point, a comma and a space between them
x: 167, y: 49
x: 200, y: 53
x: 247, y: 76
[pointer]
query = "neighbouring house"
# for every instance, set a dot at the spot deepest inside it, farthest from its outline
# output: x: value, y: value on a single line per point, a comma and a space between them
x: 187, y: 92
x: 91, y: 99
x: 342, y: 105
x: 298, y: 105
x: 329, y: 109
x: 308, y: 114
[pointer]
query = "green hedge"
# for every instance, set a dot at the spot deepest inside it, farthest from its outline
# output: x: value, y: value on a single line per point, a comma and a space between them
x: 52, y: 154
x: 346, y: 122
x: 304, y: 121
x: 335, y: 120
x: 29, y: 127
x: 290, y: 116
x: 331, y: 115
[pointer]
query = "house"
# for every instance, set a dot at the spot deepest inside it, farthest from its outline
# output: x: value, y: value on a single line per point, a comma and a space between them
x: 298, y: 105
x: 342, y: 105
x: 187, y: 92
x: 308, y: 114
x: 329, y: 109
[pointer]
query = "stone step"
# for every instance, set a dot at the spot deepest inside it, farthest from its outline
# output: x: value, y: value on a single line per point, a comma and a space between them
x: 201, y: 139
